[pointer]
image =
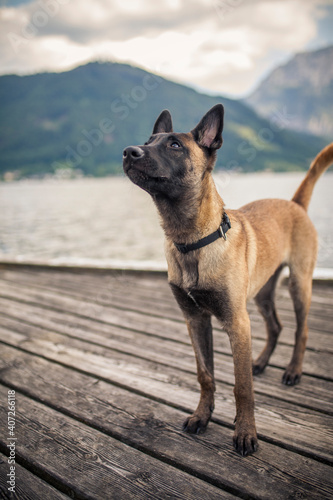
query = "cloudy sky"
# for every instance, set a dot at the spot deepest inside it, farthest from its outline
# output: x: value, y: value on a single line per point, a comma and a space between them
x: 224, y: 46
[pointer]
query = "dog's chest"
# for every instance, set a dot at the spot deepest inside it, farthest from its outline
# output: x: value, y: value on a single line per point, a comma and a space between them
x: 189, y: 274
x: 183, y: 271
x: 206, y: 300
x: 210, y: 301
x: 193, y: 292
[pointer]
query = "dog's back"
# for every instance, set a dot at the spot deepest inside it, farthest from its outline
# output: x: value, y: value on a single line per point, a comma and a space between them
x: 281, y: 230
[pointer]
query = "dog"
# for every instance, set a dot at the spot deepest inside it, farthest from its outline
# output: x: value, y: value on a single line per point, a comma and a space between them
x: 218, y: 259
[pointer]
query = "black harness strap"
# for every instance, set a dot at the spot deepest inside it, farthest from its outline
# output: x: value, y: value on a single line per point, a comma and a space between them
x: 220, y: 233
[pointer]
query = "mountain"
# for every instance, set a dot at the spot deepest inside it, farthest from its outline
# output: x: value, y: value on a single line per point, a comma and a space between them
x: 84, y: 118
x: 303, y: 88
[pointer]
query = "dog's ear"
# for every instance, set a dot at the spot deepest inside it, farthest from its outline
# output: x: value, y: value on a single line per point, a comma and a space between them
x: 163, y: 123
x: 208, y: 132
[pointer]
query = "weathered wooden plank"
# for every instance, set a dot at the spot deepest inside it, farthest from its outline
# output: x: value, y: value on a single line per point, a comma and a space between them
x: 316, y: 363
x: 27, y: 485
x: 148, y: 280
x: 145, y: 365
x: 311, y: 393
x: 119, y: 292
x: 91, y: 464
x: 179, y: 389
x: 115, y: 295
x: 150, y: 425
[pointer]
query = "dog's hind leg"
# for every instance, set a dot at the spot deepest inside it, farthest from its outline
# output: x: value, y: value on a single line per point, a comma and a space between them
x: 300, y: 287
x: 265, y: 301
x: 200, y: 330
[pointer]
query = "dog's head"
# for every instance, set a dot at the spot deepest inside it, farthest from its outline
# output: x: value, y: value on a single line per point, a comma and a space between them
x: 169, y: 163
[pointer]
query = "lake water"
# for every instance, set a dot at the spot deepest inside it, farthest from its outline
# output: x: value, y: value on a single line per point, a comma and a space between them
x: 111, y: 218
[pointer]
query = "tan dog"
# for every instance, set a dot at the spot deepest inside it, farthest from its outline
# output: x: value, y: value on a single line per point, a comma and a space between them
x: 212, y: 273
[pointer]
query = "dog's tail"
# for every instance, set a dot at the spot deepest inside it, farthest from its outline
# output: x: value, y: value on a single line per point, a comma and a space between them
x: 322, y: 161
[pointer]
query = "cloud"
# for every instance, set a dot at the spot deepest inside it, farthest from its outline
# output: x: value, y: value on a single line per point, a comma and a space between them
x: 222, y: 45
x: 91, y: 20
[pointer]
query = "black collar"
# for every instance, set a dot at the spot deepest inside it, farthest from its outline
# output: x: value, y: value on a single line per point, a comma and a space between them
x: 220, y: 233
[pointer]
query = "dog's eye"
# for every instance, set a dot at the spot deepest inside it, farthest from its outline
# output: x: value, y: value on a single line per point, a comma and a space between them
x: 175, y: 145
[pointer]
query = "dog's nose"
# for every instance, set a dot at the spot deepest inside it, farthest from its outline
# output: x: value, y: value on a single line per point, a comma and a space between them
x: 133, y: 152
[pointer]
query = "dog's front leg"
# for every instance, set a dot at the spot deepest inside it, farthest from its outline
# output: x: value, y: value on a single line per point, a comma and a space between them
x: 200, y: 330
x: 245, y: 436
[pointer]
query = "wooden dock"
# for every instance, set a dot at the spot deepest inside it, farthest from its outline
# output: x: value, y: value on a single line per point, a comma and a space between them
x: 104, y: 375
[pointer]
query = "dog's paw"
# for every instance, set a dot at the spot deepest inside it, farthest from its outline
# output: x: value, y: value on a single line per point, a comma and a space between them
x: 245, y: 443
x: 291, y: 377
x: 195, y: 425
x: 257, y: 369
x: 260, y: 363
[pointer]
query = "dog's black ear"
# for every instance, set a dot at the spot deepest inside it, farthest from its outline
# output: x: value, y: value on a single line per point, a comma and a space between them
x: 208, y: 132
x: 163, y: 123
